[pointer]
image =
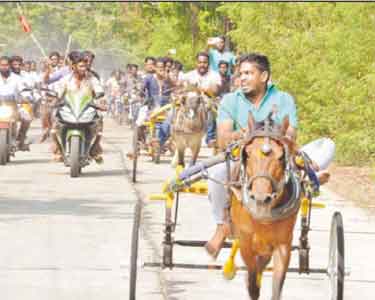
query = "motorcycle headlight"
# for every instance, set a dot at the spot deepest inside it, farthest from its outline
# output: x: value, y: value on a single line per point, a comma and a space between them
x: 5, y: 112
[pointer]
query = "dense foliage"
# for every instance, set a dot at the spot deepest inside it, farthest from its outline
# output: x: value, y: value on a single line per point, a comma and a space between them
x: 322, y: 53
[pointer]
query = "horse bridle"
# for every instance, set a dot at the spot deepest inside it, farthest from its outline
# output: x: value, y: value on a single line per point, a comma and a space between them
x: 277, y: 187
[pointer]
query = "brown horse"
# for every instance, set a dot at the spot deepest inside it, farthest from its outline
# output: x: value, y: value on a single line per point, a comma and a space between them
x: 264, y: 210
x: 188, y: 127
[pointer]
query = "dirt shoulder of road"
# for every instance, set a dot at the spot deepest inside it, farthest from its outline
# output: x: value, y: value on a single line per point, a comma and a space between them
x: 354, y: 183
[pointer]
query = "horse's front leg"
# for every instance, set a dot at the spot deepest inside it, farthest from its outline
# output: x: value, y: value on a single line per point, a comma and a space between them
x: 181, y: 157
x: 255, y: 277
x: 255, y: 266
x: 281, y: 258
x: 195, y: 153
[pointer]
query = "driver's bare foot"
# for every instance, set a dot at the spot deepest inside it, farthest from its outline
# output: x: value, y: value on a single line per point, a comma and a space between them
x: 323, y: 177
x: 214, y: 245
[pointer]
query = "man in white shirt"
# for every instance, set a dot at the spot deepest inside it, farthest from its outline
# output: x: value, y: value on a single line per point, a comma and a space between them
x: 208, y: 82
x: 84, y: 83
x: 11, y: 85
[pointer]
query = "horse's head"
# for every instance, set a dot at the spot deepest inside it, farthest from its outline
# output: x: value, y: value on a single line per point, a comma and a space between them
x: 192, y: 102
x: 266, y: 166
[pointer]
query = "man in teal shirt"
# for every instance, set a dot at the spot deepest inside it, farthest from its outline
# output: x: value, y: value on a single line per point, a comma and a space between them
x: 235, y: 107
x: 258, y: 96
x: 218, y: 54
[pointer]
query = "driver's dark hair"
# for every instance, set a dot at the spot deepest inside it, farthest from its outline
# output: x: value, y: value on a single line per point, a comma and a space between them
x: 202, y: 53
x: 54, y: 53
x: 73, y: 54
x: 16, y: 58
x: 150, y: 58
x: 4, y: 57
x: 260, y: 60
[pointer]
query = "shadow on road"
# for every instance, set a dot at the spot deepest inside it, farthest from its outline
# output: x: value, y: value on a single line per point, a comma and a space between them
x: 16, y: 161
x: 103, y: 173
x: 177, y: 287
x: 62, y: 207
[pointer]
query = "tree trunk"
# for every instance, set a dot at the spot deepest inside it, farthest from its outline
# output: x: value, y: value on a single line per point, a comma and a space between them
x: 194, y: 8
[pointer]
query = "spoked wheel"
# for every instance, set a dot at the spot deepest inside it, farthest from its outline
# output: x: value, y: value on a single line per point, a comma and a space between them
x: 167, y: 243
x: 134, y: 251
x: 135, y: 153
x: 336, y: 259
x: 155, y: 151
x: 155, y: 144
x: 170, y: 226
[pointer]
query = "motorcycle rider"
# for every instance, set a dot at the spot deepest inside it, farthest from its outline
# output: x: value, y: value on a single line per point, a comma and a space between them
x: 81, y: 79
x: 54, y: 58
x: 25, y: 111
x: 90, y: 56
x: 50, y: 78
x: 11, y: 85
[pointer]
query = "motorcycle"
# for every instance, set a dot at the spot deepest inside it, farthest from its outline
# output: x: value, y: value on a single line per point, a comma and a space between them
x: 8, y: 128
x: 79, y: 117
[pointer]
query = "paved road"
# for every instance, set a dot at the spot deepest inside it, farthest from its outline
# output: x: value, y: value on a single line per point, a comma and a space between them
x: 195, y: 222
x: 66, y: 238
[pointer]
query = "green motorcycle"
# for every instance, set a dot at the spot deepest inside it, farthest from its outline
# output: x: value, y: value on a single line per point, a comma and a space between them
x: 79, y: 118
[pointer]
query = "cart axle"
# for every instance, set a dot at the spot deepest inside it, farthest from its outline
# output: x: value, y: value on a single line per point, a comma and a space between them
x: 187, y: 243
x: 219, y: 267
